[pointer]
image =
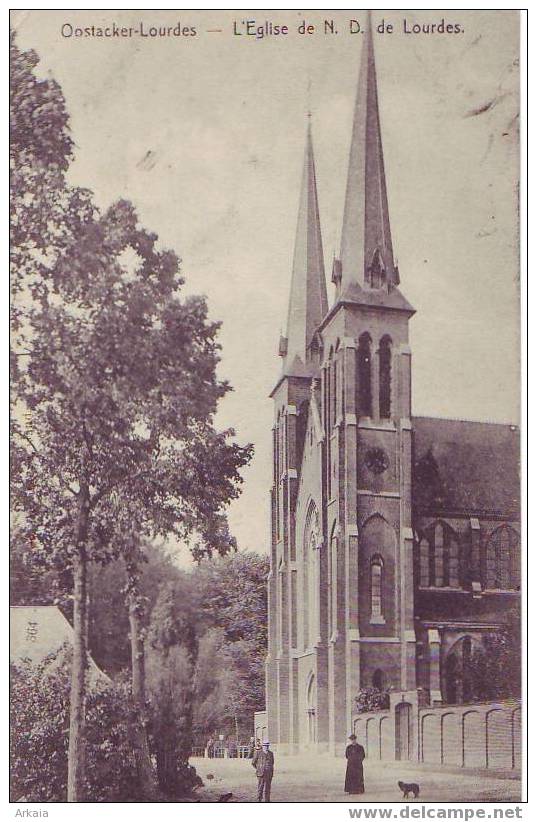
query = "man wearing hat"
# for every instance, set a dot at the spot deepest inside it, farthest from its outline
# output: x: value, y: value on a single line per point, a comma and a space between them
x: 263, y: 763
x: 354, y: 778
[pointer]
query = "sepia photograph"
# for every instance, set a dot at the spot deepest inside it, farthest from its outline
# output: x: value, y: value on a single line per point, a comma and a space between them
x: 267, y: 540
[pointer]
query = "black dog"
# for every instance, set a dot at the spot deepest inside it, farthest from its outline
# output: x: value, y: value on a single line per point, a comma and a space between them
x: 412, y: 788
x: 225, y: 797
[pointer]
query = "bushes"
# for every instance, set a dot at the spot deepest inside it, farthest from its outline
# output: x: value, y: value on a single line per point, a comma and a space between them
x: 39, y: 727
x: 40, y: 732
x: 372, y: 699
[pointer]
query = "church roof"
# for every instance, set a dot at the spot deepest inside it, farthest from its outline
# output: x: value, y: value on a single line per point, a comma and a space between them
x: 377, y: 299
x: 465, y: 467
x: 366, y: 239
x: 308, y: 302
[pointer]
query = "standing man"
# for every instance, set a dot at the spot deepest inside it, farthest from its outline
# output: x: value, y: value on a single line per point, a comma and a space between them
x: 354, y: 777
x: 263, y: 762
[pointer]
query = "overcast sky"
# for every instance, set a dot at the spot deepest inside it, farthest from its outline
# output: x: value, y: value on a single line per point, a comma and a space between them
x: 224, y: 120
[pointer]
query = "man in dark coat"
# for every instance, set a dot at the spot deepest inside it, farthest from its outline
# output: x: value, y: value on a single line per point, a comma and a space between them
x: 354, y: 778
x: 263, y: 763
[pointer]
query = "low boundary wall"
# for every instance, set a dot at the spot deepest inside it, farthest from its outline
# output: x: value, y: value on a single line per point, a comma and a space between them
x: 486, y: 735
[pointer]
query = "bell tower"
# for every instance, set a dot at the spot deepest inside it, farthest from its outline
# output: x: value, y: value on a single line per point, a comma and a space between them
x: 366, y: 379
x: 300, y: 365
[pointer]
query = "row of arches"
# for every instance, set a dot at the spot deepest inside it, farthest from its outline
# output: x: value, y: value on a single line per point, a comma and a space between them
x: 364, y: 379
x: 444, y: 560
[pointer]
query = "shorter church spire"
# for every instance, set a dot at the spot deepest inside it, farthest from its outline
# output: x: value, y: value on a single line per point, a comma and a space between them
x: 308, y: 302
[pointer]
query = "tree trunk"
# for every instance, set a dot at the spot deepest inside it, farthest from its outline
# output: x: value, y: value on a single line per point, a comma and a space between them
x: 145, y: 770
x: 75, y: 768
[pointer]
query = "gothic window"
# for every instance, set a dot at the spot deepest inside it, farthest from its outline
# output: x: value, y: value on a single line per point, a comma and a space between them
x: 364, y: 376
x: 439, y: 558
x: 277, y: 476
x: 328, y: 420
x: 311, y: 579
x: 293, y: 610
x: 424, y: 549
x: 328, y: 392
x: 332, y: 577
x: 376, y: 585
x: 313, y: 589
x: 385, y: 377
x: 503, y: 559
x: 280, y: 606
x: 377, y: 270
x: 333, y: 391
x: 446, y: 557
x: 377, y: 546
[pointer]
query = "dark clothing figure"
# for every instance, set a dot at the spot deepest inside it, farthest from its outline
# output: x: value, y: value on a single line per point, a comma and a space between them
x: 263, y: 762
x: 354, y: 778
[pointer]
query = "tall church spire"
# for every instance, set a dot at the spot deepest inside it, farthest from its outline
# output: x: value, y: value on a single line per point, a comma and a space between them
x: 308, y: 302
x: 366, y: 242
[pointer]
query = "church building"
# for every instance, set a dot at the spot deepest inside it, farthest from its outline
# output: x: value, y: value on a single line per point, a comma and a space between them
x: 395, y: 545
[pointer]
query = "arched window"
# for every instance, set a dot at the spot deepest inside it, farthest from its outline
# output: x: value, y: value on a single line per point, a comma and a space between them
x: 385, y: 377
x: 425, y: 551
x: 279, y: 622
x: 333, y: 392
x: 328, y: 419
x: 444, y: 559
x: 376, y: 586
x: 439, y: 557
x: 364, y: 376
x: 333, y: 586
x: 311, y: 580
x: 313, y: 589
x: 503, y: 559
x: 377, y: 270
x: 277, y: 474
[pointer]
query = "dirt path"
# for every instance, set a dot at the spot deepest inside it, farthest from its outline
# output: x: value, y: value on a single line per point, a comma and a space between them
x: 320, y: 779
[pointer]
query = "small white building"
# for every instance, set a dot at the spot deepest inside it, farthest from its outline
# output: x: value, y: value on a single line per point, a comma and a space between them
x: 35, y: 631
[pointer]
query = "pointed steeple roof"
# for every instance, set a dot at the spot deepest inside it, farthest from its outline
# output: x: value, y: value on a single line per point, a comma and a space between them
x: 366, y: 243
x: 308, y: 302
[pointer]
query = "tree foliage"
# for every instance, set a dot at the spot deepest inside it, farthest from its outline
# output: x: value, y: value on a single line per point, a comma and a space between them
x: 171, y: 656
x: 495, y: 665
x: 234, y: 600
x: 114, y: 379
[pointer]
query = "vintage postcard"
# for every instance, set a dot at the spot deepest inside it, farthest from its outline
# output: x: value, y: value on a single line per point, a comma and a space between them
x: 266, y: 531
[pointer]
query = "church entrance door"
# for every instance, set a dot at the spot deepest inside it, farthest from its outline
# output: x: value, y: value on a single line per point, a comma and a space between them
x: 403, y: 730
x: 311, y: 710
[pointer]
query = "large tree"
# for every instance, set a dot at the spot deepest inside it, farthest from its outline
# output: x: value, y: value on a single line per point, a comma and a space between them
x: 114, y: 383
x: 172, y: 654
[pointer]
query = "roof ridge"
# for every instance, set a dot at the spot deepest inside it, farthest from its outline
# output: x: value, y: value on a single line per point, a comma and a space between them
x: 511, y: 425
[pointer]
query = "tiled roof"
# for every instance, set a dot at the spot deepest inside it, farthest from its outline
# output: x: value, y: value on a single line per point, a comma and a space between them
x: 463, y: 466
